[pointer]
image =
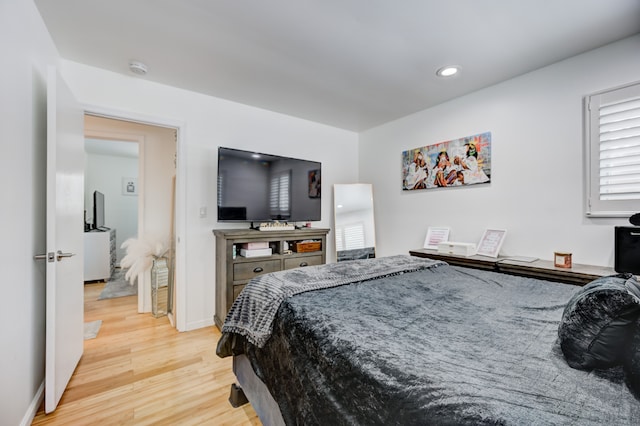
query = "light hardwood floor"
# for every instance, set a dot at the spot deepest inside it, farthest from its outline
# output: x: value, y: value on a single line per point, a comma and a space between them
x: 141, y: 371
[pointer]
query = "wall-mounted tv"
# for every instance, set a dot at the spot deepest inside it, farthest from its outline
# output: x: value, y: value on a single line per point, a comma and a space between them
x: 257, y: 187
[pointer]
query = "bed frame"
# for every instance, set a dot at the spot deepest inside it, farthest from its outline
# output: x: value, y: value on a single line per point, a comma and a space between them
x: 251, y: 389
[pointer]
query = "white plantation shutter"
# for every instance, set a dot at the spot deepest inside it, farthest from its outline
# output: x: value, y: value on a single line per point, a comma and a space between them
x: 350, y: 237
x: 613, y: 152
x: 339, y: 240
x: 620, y: 151
x: 354, y: 236
x: 280, y: 194
x: 222, y: 176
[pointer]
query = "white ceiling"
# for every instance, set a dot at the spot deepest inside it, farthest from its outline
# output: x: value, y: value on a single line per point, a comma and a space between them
x: 353, y: 64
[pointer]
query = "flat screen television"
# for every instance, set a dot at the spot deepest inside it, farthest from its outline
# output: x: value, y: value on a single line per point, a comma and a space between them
x: 257, y: 187
x: 98, y: 210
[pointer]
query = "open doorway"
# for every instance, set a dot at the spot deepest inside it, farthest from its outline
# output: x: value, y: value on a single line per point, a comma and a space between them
x: 111, y: 170
x: 133, y: 166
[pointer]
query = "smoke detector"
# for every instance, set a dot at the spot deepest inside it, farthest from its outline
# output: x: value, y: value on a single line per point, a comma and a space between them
x: 138, y: 68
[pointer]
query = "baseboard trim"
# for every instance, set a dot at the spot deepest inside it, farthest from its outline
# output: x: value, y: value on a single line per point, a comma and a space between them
x: 32, y: 410
x: 198, y: 324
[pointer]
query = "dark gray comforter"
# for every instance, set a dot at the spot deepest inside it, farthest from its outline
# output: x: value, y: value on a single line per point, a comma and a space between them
x: 444, y: 345
x: 254, y: 310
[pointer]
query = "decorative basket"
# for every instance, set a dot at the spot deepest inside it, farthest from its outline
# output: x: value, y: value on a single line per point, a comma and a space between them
x: 307, y: 247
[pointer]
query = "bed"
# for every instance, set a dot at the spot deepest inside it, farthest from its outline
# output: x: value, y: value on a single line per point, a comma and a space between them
x: 404, y: 340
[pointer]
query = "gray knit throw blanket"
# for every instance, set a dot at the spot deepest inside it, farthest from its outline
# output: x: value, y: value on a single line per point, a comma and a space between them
x: 253, y: 312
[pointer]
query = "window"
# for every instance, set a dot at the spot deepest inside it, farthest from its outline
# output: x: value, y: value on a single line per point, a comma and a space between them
x: 612, y: 144
x: 280, y: 194
x: 222, y: 177
x: 350, y: 237
x: 354, y: 236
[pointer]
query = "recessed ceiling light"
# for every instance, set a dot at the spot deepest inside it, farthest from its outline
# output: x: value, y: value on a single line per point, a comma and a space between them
x: 448, y: 71
x: 138, y: 68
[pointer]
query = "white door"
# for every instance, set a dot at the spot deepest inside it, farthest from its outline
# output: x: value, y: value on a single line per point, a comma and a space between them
x: 65, y: 226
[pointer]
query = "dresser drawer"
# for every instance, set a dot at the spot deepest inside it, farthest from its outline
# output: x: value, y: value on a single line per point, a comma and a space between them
x: 248, y: 270
x: 297, y: 262
x: 236, y: 291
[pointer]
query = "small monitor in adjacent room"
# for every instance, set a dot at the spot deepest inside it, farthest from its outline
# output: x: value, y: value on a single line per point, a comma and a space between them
x: 98, y: 210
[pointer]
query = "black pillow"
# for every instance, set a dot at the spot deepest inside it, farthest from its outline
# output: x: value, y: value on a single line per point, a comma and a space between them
x: 598, y: 322
x: 632, y: 363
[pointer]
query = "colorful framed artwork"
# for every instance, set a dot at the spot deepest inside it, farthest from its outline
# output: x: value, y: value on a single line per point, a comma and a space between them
x: 459, y: 162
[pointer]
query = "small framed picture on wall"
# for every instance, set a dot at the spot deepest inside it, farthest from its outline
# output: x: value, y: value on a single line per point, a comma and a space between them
x: 314, y: 183
x: 129, y: 186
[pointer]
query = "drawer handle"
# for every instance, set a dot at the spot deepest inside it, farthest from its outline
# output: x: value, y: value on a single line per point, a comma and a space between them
x: 257, y: 270
x: 304, y: 264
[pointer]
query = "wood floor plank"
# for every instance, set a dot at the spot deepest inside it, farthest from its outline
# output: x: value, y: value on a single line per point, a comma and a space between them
x: 141, y: 371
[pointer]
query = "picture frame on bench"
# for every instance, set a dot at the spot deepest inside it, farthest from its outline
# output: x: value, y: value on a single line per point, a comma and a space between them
x: 491, y: 242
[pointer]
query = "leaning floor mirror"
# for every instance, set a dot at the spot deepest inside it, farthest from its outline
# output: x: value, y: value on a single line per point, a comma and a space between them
x: 354, y: 223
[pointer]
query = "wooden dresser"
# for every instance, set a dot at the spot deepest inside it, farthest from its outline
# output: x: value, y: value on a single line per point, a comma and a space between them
x: 234, y: 271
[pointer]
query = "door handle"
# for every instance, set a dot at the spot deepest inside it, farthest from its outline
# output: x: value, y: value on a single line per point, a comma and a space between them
x: 50, y: 257
x: 60, y: 255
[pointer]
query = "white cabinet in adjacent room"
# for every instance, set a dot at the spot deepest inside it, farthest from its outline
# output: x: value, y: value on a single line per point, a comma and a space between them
x: 99, y: 254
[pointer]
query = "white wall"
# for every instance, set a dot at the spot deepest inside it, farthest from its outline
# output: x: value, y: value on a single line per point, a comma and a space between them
x: 104, y: 173
x: 536, y: 189
x: 26, y: 50
x: 208, y: 123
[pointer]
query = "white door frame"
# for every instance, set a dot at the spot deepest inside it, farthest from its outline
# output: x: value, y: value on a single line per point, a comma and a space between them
x: 180, y: 317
